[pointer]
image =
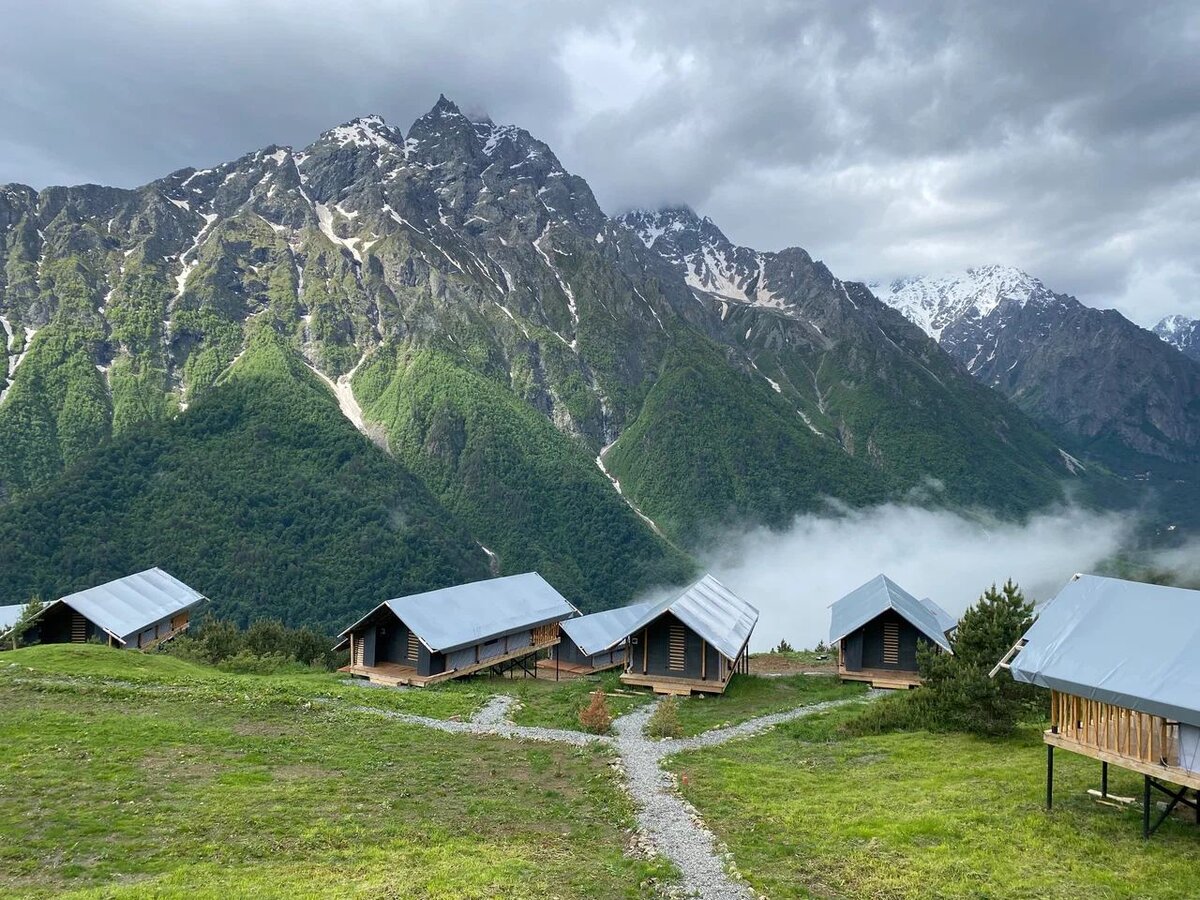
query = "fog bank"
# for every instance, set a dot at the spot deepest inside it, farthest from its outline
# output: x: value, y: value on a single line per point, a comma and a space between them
x: 951, y: 557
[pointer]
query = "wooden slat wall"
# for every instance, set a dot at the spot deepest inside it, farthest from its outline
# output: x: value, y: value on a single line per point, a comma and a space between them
x: 1115, y: 729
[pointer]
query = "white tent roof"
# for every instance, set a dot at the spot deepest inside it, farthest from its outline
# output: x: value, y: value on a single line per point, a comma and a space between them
x: 1123, y: 642
x: 466, y: 614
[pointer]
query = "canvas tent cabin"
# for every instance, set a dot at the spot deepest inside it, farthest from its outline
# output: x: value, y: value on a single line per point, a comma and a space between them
x: 499, y: 624
x: 1120, y: 661
x: 879, y: 626
x: 692, y: 642
x: 595, y: 642
x: 138, y: 611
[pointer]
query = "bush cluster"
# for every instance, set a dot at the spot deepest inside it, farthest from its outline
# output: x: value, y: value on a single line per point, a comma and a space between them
x: 267, y: 647
x: 596, y: 717
x: 664, y: 722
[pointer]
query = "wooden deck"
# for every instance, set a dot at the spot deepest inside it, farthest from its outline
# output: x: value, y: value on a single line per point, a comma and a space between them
x: 890, y: 679
x: 565, y: 670
x: 394, y: 674
x: 679, y: 687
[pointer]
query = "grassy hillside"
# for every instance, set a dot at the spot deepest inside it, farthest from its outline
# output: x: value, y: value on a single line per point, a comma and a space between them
x: 169, y: 780
x: 528, y: 492
x: 262, y: 496
x: 807, y: 813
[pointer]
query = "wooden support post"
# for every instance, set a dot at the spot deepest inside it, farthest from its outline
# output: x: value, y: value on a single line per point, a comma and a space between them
x: 556, y: 653
x: 1050, y: 776
x: 1104, y: 779
x: 1146, y: 807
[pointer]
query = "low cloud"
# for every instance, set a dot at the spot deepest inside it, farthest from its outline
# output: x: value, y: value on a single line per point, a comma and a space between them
x: 952, y: 557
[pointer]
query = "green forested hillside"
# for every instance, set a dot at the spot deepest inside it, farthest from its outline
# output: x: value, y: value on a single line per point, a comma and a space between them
x: 262, y: 495
x: 526, y: 490
x: 712, y: 444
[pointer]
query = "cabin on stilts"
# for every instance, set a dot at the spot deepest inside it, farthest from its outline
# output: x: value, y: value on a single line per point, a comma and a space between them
x: 1120, y: 659
x: 139, y: 611
x: 693, y: 642
x: 877, y: 629
x: 595, y: 642
x: 499, y: 625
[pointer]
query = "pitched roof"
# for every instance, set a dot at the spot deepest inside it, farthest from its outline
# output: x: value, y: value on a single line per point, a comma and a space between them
x: 1122, y: 642
x: 127, y: 605
x: 947, y: 622
x: 879, y: 595
x: 601, y: 631
x: 466, y: 614
x: 711, y: 610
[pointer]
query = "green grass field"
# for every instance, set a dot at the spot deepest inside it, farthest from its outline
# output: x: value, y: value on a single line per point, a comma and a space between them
x: 126, y: 775
x: 748, y: 696
x: 922, y: 815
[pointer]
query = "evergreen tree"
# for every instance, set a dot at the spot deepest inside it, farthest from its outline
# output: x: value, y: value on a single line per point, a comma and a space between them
x: 959, y: 692
x: 28, y: 616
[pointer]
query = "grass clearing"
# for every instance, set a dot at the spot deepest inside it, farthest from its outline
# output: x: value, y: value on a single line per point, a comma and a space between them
x: 132, y: 775
x: 928, y: 815
x: 552, y: 704
x: 748, y: 696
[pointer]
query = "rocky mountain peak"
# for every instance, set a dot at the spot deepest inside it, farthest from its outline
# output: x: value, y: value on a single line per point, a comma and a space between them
x: 1181, y: 333
x: 364, y: 131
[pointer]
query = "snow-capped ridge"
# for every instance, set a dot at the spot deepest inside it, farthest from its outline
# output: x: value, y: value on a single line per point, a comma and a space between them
x: 365, y: 131
x: 936, y: 302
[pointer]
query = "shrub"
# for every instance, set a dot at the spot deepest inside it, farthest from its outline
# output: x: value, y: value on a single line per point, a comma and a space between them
x: 784, y: 647
x: 664, y: 723
x: 249, y: 663
x: 596, y: 716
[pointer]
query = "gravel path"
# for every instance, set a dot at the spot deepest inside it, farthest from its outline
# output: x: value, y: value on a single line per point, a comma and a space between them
x: 485, y: 722
x: 670, y: 823
x: 496, y: 711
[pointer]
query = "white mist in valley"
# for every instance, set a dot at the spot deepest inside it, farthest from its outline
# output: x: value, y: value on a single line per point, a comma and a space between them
x: 793, y: 576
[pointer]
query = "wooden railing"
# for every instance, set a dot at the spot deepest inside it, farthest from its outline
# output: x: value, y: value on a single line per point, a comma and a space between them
x: 1114, y: 729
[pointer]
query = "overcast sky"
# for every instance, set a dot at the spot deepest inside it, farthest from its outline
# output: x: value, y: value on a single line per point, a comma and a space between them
x: 887, y: 139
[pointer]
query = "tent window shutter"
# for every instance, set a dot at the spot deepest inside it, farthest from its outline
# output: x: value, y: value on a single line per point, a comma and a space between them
x: 677, y: 649
x: 891, y: 644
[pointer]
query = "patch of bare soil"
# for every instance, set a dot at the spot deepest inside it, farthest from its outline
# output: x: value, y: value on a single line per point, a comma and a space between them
x: 792, y: 664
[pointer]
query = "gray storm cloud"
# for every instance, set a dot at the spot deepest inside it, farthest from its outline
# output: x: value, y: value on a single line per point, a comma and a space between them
x: 951, y: 557
x: 886, y: 138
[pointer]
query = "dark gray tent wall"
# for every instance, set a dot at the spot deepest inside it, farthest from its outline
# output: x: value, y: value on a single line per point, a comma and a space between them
x: 864, y: 648
x: 569, y: 652
x: 701, y: 661
x: 385, y: 638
